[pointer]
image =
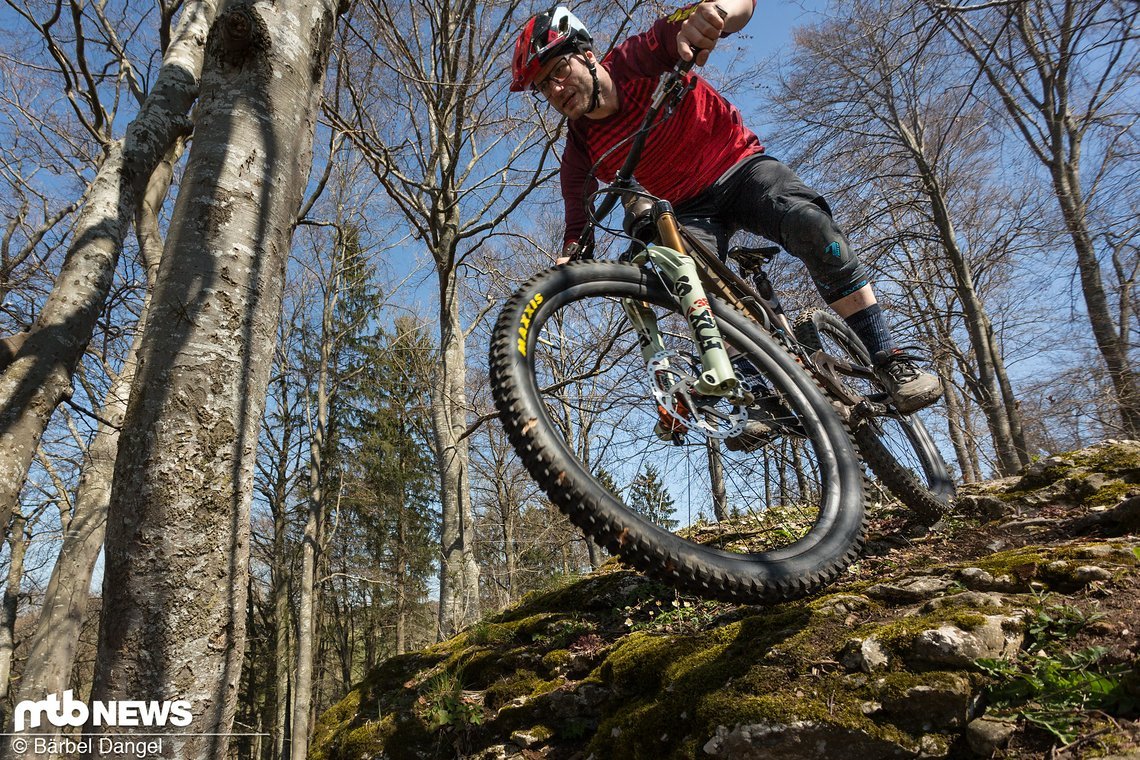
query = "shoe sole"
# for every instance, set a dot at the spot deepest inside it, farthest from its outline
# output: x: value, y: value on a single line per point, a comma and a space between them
x: 919, y: 402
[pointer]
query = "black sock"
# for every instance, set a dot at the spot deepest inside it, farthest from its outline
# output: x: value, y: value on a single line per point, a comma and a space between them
x: 871, y: 326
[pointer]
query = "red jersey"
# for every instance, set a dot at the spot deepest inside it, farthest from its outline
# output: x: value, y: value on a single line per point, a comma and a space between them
x: 683, y: 155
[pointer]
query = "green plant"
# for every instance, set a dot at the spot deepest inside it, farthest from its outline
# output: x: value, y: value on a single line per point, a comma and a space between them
x: 1050, y: 687
x: 683, y: 614
x: 1048, y: 625
x: 444, y: 703
x: 485, y: 632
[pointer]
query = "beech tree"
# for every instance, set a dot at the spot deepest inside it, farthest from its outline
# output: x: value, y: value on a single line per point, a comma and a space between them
x: 1064, y: 73
x: 177, y: 547
x: 39, y: 375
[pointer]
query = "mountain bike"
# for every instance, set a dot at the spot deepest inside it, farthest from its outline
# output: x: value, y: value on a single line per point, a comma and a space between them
x: 671, y: 372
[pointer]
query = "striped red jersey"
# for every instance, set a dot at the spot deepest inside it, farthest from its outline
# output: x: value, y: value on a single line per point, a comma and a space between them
x: 683, y: 155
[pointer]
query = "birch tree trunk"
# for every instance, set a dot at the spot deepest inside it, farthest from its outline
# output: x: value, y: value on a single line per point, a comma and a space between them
x: 39, y: 377
x: 177, y: 548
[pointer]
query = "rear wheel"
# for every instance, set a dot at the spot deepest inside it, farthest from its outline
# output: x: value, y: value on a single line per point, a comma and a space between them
x: 897, y: 447
x: 763, y: 522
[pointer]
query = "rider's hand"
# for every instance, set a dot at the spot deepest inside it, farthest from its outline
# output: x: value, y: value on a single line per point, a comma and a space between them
x: 574, y: 251
x: 700, y: 32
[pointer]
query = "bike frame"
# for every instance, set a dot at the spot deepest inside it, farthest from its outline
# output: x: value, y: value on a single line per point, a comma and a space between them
x: 691, y: 270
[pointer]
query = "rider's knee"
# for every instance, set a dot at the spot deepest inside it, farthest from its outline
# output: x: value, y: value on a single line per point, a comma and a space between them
x: 807, y: 231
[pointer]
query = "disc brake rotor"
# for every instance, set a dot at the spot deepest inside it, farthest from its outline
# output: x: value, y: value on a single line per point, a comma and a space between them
x: 672, y: 377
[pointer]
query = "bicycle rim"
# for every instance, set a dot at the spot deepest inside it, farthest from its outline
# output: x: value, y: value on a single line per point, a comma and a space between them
x: 898, y: 448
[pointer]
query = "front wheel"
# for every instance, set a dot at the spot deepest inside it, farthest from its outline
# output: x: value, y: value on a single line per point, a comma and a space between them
x: 754, y: 518
x: 897, y: 447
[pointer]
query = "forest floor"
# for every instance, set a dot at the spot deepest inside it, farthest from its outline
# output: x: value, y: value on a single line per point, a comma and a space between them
x: 1011, y: 630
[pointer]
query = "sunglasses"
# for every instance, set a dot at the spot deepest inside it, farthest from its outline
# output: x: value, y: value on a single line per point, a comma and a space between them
x: 559, y: 74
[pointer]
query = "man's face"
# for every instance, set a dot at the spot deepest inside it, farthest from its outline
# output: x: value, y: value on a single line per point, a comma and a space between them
x: 566, y: 84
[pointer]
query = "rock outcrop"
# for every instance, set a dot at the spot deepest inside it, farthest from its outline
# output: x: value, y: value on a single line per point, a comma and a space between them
x: 931, y: 647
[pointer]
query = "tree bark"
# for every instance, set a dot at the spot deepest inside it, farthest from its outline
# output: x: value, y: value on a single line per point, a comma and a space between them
x: 458, y: 571
x: 39, y: 377
x: 177, y: 548
x: 17, y: 546
x: 55, y: 641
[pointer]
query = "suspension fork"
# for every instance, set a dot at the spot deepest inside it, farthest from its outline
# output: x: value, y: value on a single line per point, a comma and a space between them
x: 717, y: 376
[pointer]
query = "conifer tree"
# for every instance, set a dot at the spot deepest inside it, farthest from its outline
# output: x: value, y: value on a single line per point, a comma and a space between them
x: 649, y: 497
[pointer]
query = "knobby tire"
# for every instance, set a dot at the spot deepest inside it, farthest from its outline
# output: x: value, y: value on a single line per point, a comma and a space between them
x: 922, y: 482
x: 534, y: 319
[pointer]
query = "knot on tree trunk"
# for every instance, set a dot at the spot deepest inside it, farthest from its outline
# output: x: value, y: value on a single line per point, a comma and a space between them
x: 238, y: 35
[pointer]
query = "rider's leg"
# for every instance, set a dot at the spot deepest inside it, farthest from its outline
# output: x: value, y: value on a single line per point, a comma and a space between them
x: 768, y: 198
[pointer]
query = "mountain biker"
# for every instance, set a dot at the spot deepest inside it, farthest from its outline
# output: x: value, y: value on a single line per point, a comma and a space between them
x: 703, y: 160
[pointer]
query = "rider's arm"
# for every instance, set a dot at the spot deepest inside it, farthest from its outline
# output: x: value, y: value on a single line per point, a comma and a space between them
x: 576, y: 184
x: 707, y: 22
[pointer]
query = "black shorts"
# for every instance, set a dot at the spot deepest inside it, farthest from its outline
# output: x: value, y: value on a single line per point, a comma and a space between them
x: 765, y: 197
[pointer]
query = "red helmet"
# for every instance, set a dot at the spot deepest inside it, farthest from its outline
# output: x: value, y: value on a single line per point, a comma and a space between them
x: 546, y: 36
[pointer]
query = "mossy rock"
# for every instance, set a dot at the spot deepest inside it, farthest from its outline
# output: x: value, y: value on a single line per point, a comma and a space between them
x: 748, y: 678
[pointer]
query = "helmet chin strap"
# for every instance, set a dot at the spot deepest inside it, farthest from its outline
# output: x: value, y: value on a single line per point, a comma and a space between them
x: 593, y: 95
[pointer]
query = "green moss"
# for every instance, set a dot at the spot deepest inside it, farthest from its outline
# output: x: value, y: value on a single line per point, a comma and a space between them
x: 556, y: 659
x: 1019, y: 563
x: 335, y: 720
x: 369, y: 739
x: 541, y: 733
x: 967, y: 620
x: 1033, y: 562
x: 896, y: 684
x: 521, y: 683
x: 1108, y: 458
x: 487, y: 632
x: 1110, y: 494
x: 345, y: 709
x: 898, y: 635
x: 638, y: 663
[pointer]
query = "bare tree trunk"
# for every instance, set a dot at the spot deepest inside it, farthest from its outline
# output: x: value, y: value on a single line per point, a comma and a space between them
x: 278, y: 490
x: 55, y: 641
x: 281, y: 664
x: 306, y: 624
x: 954, y: 420
x: 401, y: 584
x: 39, y: 377
x: 458, y: 571
x: 716, y: 474
x: 510, y: 549
x: 17, y: 546
x: 978, y: 326
x: 177, y: 548
x: 308, y: 599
